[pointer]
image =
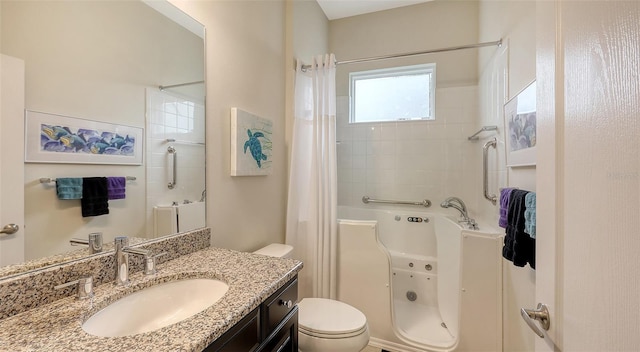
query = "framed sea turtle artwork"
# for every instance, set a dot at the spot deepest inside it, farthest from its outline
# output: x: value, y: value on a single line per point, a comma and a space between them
x: 251, y: 144
x: 52, y: 138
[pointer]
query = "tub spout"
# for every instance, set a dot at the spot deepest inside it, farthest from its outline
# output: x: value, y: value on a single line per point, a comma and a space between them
x: 458, y: 204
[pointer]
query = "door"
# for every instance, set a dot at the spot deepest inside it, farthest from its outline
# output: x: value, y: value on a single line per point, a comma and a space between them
x: 11, y: 158
x: 588, y: 174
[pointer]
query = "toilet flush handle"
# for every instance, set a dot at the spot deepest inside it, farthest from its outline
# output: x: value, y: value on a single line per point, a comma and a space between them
x: 288, y: 303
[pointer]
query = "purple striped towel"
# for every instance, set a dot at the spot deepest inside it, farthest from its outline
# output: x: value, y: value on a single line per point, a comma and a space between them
x: 505, y: 194
x: 116, y: 187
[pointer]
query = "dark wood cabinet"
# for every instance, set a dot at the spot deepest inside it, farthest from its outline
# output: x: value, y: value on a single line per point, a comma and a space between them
x: 272, y: 327
x: 285, y: 336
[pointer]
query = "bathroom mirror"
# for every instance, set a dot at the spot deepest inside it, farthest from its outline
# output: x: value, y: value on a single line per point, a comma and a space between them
x: 104, y: 62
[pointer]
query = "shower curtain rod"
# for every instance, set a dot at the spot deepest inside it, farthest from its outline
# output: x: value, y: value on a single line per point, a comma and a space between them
x: 180, y: 85
x: 395, y: 56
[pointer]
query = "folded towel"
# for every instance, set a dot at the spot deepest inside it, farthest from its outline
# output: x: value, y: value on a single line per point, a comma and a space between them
x: 530, y: 214
x: 518, y: 247
x: 116, y: 187
x: 69, y: 188
x: 94, y: 196
x: 505, y: 193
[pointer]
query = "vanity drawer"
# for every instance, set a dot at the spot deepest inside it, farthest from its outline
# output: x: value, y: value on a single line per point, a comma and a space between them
x: 277, y: 306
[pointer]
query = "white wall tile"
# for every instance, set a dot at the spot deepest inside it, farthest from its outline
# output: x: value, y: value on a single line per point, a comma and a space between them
x: 414, y: 159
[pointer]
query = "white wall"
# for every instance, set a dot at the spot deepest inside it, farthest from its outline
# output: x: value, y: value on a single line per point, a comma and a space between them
x: 310, y: 32
x: 245, y: 47
x: 432, y: 25
x: 307, y: 36
x: 514, y: 22
x: 77, y: 67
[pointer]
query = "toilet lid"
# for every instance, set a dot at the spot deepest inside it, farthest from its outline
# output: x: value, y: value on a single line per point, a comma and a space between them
x: 320, y: 316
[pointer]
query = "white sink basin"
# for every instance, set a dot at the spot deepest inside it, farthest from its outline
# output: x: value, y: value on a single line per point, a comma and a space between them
x: 155, y: 307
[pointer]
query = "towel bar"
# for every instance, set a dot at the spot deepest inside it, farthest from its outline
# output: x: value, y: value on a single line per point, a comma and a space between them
x: 49, y: 179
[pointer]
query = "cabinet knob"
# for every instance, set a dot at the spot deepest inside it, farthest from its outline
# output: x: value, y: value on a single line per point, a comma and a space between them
x: 288, y: 303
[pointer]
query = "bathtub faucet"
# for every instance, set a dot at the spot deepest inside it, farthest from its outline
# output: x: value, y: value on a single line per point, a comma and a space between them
x: 458, y: 204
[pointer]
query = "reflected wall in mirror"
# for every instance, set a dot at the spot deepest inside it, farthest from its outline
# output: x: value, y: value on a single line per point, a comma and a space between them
x: 105, y: 61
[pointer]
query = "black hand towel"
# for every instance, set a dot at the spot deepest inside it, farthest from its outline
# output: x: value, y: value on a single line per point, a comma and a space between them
x: 95, y: 196
x: 519, y: 247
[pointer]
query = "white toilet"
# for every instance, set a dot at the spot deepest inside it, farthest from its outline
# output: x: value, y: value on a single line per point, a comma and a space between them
x: 325, y: 324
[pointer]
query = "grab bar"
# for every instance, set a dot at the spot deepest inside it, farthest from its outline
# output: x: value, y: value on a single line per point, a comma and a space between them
x: 174, y: 153
x: 485, y: 128
x: 425, y: 203
x: 485, y: 166
x: 173, y: 140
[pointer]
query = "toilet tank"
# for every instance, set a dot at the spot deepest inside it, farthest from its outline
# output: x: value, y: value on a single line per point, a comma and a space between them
x: 276, y: 250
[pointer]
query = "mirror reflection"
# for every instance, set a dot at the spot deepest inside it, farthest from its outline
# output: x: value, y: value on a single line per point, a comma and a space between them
x: 105, y: 62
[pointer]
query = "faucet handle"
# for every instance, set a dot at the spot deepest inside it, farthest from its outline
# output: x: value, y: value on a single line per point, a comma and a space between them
x: 471, y: 223
x: 84, y: 287
x: 94, y: 242
x: 150, y: 263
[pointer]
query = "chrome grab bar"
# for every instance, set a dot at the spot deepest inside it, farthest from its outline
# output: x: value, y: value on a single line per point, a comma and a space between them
x: 485, y: 166
x: 174, y: 153
x: 425, y: 203
x: 173, y: 140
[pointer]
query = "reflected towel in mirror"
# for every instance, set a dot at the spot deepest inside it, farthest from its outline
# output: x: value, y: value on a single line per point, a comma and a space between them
x: 69, y: 188
x: 116, y: 187
x: 94, y: 200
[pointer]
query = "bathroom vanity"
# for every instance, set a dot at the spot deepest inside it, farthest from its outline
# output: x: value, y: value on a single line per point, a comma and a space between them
x: 271, y: 327
x: 257, y: 313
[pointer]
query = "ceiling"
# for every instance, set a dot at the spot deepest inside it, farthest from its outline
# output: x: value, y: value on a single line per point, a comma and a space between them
x: 335, y: 9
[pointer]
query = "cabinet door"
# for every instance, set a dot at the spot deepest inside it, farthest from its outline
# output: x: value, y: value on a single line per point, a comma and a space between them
x: 285, y: 337
x: 244, y: 336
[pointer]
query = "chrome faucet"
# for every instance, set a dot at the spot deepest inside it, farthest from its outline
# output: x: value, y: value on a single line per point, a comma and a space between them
x: 94, y: 242
x: 122, y: 260
x: 458, y: 204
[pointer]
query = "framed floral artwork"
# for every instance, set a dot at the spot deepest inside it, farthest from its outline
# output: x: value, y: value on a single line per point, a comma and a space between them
x: 51, y: 138
x: 520, y: 128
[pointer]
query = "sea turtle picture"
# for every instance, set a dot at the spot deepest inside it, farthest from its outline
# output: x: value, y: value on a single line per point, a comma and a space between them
x: 255, y: 147
x: 251, y: 145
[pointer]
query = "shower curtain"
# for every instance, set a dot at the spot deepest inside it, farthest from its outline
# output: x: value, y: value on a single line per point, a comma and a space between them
x: 312, y: 204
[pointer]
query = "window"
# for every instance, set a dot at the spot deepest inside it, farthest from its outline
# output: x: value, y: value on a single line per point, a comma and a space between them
x: 401, y: 93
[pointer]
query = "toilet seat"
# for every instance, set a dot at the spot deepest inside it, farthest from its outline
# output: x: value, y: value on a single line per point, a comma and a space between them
x: 330, y: 319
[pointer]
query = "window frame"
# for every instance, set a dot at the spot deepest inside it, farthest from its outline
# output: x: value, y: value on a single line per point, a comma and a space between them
x: 420, y: 69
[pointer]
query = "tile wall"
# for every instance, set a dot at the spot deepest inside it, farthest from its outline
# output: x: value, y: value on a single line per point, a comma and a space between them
x: 173, y: 116
x: 412, y: 160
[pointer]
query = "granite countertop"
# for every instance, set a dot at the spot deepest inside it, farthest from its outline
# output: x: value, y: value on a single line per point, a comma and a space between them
x: 57, y: 326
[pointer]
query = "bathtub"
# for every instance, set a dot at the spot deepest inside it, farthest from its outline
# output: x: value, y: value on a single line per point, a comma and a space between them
x: 409, y: 273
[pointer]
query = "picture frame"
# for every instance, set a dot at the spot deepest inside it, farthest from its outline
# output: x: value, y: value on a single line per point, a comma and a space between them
x: 53, y: 138
x: 251, y: 144
x: 520, y: 128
